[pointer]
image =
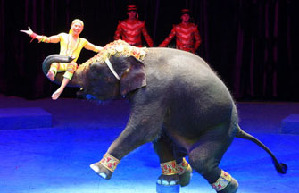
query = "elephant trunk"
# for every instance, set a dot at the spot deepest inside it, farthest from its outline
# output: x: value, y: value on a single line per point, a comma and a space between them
x: 76, y: 79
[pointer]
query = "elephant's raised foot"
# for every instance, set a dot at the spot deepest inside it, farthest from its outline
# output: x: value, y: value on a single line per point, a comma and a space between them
x: 168, y: 180
x: 232, y: 187
x: 101, y: 171
x: 185, y: 177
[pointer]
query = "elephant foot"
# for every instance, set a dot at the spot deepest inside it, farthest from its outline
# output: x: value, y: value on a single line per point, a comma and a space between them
x: 232, y: 187
x: 168, y: 180
x: 57, y: 93
x: 185, y: 172
x: 173, y: 173
x: 106, y: 166
x: 167, y: 189
x: 169, y: 175
x: 101, y: 171
x: 185, y: 177
x: 50, y: 75
x: 225, y: 184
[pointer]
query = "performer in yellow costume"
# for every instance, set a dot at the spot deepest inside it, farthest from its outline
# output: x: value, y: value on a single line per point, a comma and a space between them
x: 70, y: 45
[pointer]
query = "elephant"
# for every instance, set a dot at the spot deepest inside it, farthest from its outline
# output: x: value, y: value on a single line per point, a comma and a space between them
x: 177, y: 101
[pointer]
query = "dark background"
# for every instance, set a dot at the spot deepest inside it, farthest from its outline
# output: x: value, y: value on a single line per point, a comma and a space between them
x: 252, y: 44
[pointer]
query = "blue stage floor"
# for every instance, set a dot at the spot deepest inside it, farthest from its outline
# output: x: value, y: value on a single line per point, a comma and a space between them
x: 56, y: 160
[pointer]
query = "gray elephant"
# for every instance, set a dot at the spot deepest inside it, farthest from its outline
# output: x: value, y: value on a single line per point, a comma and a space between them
x: 176, y: 101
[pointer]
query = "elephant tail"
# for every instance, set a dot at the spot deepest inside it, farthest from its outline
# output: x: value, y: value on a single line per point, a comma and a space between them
x: 280, y: 167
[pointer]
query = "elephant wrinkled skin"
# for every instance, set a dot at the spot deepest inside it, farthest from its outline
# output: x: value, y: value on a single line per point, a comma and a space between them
x: 177, y: 101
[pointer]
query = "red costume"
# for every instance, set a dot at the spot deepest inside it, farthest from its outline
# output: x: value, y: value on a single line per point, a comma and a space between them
x: 187, y: 36
x: 130, y: 30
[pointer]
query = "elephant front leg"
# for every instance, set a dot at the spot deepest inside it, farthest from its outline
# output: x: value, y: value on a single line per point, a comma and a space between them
x: 145, y: 124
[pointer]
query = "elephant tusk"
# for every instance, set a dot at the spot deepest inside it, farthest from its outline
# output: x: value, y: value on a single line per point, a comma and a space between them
x: 107, y: 61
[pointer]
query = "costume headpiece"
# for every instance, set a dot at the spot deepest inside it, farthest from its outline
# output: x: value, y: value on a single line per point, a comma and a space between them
x: 132, y: 8
x: 183, y: 11
x: 116, y: 48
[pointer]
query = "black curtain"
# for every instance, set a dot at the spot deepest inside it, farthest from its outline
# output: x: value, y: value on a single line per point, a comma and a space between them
x: 252, y: 44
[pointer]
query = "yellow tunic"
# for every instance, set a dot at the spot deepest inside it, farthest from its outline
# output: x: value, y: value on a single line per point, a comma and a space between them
x: 67, y: 49
x: 65, y: 46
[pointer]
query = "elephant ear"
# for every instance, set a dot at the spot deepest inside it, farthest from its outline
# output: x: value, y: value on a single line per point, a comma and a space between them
x: 132, y: 78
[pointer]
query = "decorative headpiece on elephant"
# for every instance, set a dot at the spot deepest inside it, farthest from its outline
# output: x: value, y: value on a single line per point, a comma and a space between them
x: 176, y: 101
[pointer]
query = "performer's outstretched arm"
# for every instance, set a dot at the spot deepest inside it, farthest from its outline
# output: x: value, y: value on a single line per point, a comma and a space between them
x: 92, y: 47
x: 41, y: 38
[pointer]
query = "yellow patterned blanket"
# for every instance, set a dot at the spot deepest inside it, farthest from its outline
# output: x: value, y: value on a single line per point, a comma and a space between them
x: 117, y: 48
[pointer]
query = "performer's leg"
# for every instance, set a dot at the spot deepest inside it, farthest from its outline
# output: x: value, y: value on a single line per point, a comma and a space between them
x: 58, y: 92
x: 52, y: 71
x: 67, y: 76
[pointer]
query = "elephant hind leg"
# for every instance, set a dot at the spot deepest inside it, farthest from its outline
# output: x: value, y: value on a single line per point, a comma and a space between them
x: 208, y: 167
x: 205, y: 159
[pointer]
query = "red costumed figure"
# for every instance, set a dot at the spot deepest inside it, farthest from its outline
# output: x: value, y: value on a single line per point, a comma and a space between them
x: 186, y: 33
x: 130, y: 30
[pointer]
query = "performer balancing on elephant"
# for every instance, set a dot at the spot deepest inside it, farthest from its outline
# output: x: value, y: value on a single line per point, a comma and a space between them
x: 70, y: 45
x: 131, y: 29
x: 186, y: 33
